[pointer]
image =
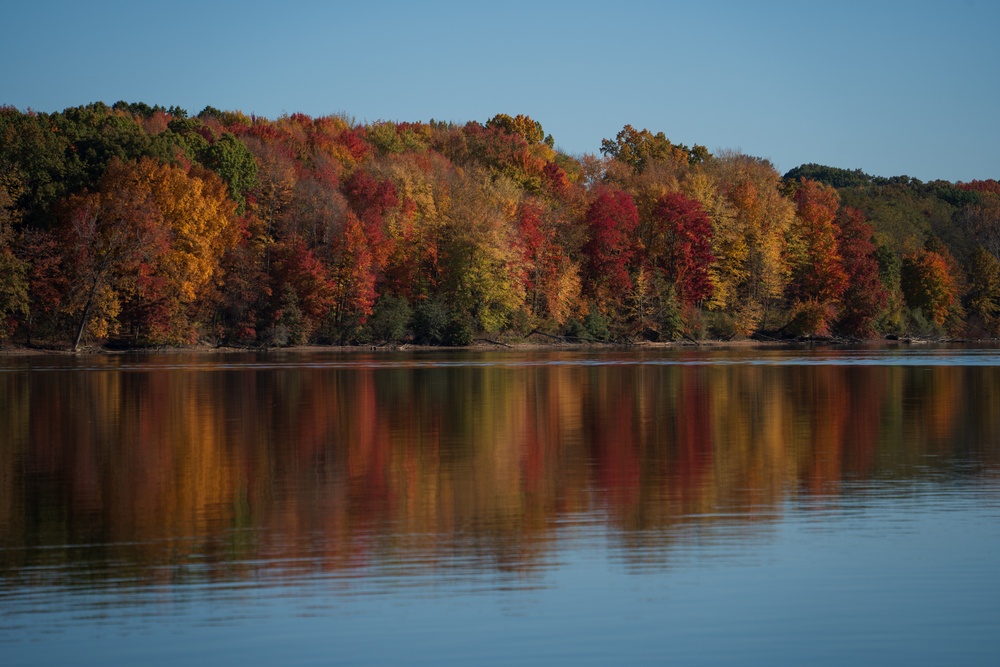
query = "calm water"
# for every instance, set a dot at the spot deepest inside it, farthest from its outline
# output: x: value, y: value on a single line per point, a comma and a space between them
x: 687, y: 507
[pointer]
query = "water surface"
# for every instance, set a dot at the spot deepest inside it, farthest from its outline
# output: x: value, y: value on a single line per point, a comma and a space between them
x: 688, y: 506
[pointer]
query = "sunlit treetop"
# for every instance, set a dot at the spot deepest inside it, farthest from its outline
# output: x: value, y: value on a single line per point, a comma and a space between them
x: 637, y: 148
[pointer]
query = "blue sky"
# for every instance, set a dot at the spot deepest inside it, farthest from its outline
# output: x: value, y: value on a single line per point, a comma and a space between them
x: 889, y: 87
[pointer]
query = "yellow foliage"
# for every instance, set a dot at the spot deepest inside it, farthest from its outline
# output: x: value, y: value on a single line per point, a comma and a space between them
x: 751, y: 268
x: 199, y: 214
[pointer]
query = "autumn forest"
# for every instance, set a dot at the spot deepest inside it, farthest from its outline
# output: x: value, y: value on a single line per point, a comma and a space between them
x: 131, y: 226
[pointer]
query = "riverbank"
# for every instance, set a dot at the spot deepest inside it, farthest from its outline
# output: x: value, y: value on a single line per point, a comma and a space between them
x: 15, y: 350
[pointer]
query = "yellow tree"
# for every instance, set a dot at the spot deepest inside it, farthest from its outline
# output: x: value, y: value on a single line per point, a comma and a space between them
x: 484, y: 272
x: 729, y: 245
x: 762, y: 215
x: 150, y: 241
x: 198, y: 215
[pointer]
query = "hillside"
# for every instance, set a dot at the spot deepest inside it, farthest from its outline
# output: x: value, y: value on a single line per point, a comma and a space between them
x: 134, y: 225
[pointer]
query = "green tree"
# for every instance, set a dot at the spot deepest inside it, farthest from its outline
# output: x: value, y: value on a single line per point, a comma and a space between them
x: 639, y: 148
x: 230, y: 159
x: 983, y: 301
x: 13, y: 272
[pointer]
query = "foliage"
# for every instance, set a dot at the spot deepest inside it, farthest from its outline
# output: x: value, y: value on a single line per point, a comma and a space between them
x: 865, y: 296
x: 983, y: 301
x: 389, y: 318
x: 142, y: 225
x: 928, y: 285
x: 639, y: 148
x: 818, y: 279
x: 681, y: 246
x: 521, y: 125
x: 230, y: 159
x: 751, y: 270
x: 611, y: 220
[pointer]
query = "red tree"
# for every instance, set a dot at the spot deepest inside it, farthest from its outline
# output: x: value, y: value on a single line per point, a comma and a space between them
x: 865, y: 295
x: 818, y: 276
x: 611, y: 221
x: 681, y: 246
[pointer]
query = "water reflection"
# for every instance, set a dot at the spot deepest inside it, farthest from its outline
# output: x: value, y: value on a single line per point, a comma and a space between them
x: 374, y: 473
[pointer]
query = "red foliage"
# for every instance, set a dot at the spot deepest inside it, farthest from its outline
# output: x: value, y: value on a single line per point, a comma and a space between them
x: 981, y: 186
x: 297, y: 266
x: 611, y: 221
x: 355, y: 144
x: 529, y: 226
x: 683, y: 237
x: 352, y: 274
x: 820, y: 277
x: 372, y: 200
x: 928, y: 284
x: 556, y: 179
x: 865, y: 295
x: 47, y: 282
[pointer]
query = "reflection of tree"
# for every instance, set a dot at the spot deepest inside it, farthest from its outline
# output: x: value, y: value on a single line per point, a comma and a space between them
x: 341, y: 468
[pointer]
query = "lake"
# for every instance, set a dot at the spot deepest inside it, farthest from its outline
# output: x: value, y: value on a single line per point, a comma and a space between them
x: 692, y: 506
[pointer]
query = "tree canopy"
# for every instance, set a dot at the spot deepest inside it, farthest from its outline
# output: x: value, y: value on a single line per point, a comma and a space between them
x: 134, y: 224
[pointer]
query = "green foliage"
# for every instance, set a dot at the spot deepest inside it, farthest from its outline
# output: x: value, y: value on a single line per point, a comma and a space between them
x: 838, y: 178
x: 227, y: 118
x: 918, y: 325
x: 33, y: 149
x: 13, y: 291
x: 289, y: 328
x: 595, y: 326
x: 430, y: 322
x: 670, y: 319
x: 187, y: 134
x: 389, y: 318
x: 639, y: 148
x: 434, y: 322
x: 460, y: 330
x: 232, y: 161
x: 983, y: 300
x: 384, y: 137
x: 723, y: 325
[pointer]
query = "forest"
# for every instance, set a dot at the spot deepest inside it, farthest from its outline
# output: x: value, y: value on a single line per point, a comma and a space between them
x: 135, y: 226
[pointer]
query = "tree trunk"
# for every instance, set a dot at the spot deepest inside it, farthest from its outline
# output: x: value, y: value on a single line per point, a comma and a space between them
x: 86, y: 315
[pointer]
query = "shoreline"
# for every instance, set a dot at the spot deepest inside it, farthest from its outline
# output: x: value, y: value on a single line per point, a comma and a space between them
x: 20, y: 350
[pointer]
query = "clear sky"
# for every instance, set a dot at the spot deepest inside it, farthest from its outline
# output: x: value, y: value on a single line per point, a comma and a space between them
x: 888, y: 87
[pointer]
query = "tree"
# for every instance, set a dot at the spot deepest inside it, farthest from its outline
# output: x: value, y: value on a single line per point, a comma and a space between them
x: 230, y: 159
x: 374, y: 202
x: 149, y: 240
x: 13, y: 272
x: 983, y: 304
x: 638, y: 148
x: 521, y: 125
x: 611, y: 220
x: 107, y: 237
x: 928, y: 285
x: 302, y: 285
x: 681, y: 246
x: 818, y: 278
x: 749, y: 239
x: 483, y: 273
x: 865, y: 296
x: 352, y: 278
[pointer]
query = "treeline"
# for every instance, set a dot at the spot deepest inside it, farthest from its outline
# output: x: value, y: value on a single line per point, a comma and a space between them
x: 135, y: 225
